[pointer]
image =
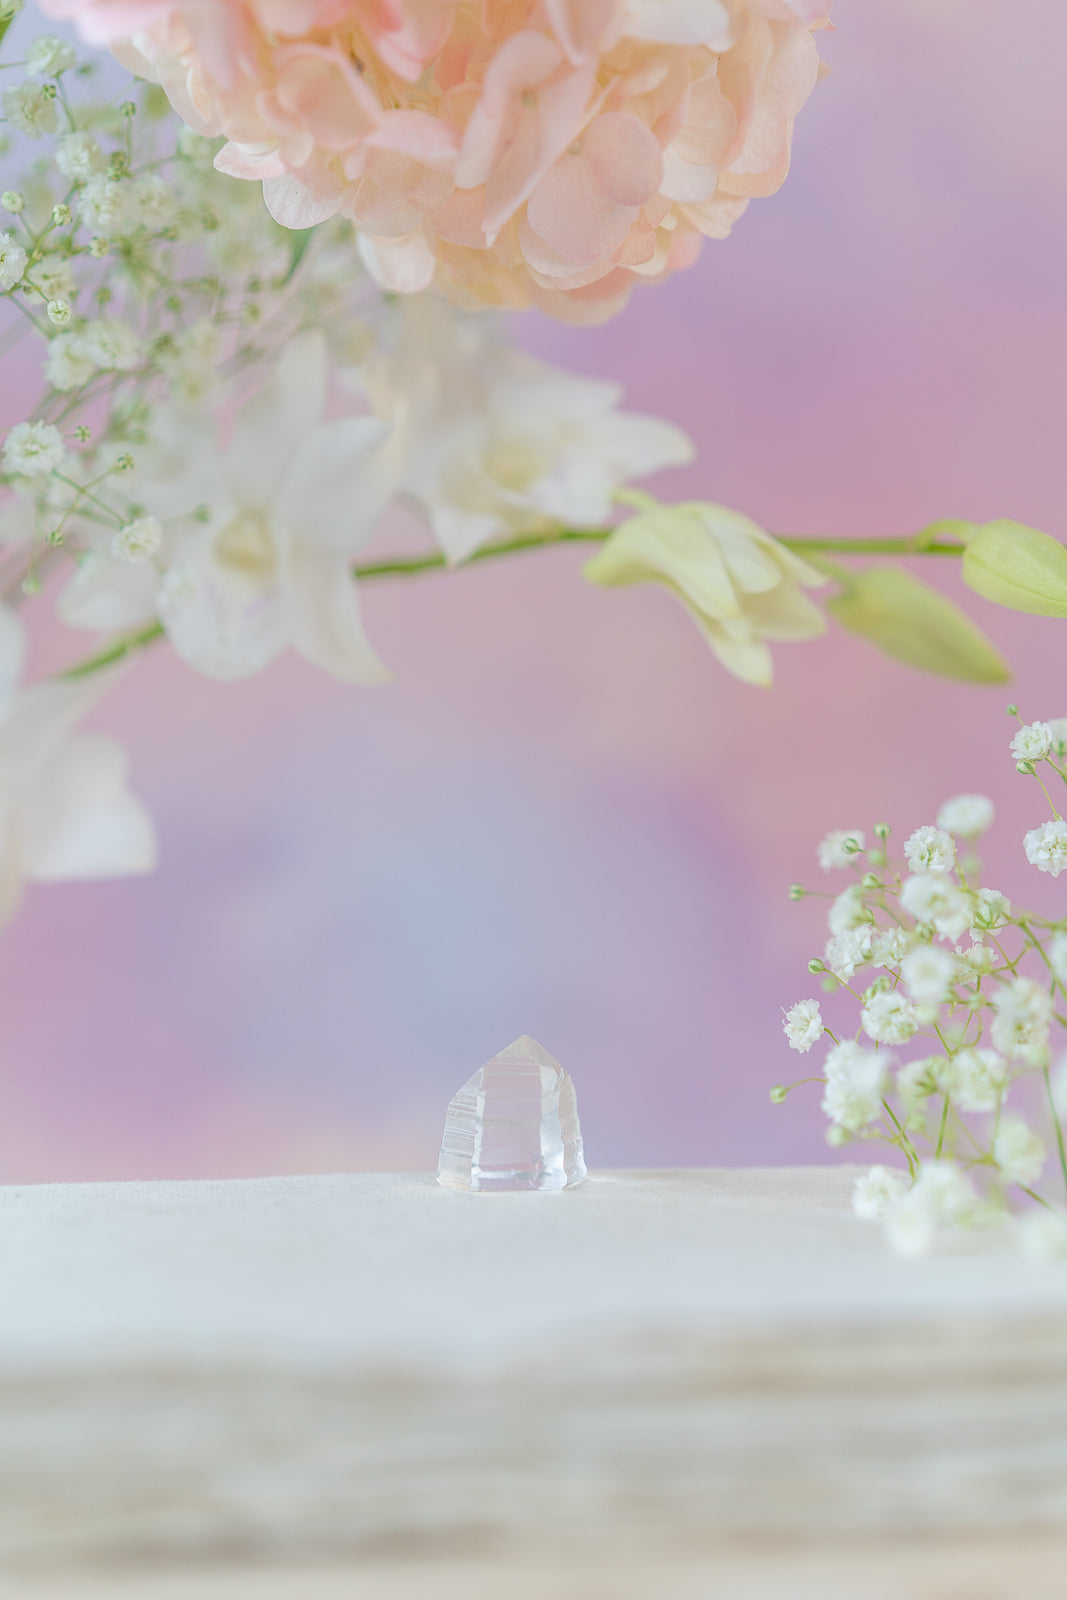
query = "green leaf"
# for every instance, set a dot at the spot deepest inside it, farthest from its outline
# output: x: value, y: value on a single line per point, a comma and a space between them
x: 1018, y: 567
x: 917, y: 625
x: 298, y: 249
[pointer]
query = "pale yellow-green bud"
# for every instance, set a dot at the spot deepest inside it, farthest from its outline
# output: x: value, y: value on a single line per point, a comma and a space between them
x: 882, y: 830
x: 836, y: 1137
x: 918, y: 625
x: 62, y: 215
x: 797, y: 891
x: 870, y: 880
x: 778, y: 1094
x: 98, y: 248
x: 816, y: 965
x: 1027, y: 768
x: 59, y: 313
x: 1018, y: 567
x: 12, y: 200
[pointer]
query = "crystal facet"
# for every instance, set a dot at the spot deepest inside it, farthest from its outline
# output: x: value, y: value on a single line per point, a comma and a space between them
x: 514, y: 1125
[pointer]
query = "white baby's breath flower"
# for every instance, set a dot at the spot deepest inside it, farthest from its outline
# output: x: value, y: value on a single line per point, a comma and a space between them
x: 889, y: 1018
x: 152, y: 201
x: 979, y: 958
x: 917, y: 1081
x: 877, y: 1191
x: 49, y: 55
x: 1018, y: 1152
x: 1057, y: 954
x: 1020, y: 1026
x: 940, y: 1197
x: 54, y: 277
x: 1058, y: 726
x: 1033, y: 742
x: 105, y: 204
x: 79, y: 157
x: 138, y: 540
x: 847, y: 951
x: 975, y: 1079
x: 12, y: 261
x: 930, y: 850
x: 112, y: 344
x: 929, y: 974
x: 855, y: 1083
x: 889, y: 946
x: 1046, y: 847
x: 933, y: 899
x: 966, y: 816
x: 60, y: 313
x: 1043, y: 1235
x: 31, y: 108
x: 32, y: 449
x: 848, y: 910
x: 841, y: 848
x: 991, y: 910
x: 68, y: 366
x: 803, y: 1025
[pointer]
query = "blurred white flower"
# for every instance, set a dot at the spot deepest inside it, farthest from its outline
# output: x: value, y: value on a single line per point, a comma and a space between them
x: 803, y: 1025
x: 1057, y: 954
x: 286, y: 507
x: 929, y: 974
x: 966, y: 816
x: 49, y: 55
x: 33, y: 449
x: 138, y: 540
x: 841, y: 848
x: 31, y: 108
x: 79, y: 157
x: 975, y: 1079
x: 991, y: 910
x: 855, y: 1082
x: 847, y: 951
x: 1018, y: 1152
x: 1020, y: 1026
x: 496, y: 443
x: 932, y: 898
x: 65, y: 809
x: 930, y: 850
x: 940, y: 1197
x: 889, y: 1018
x: 876, y: 1191
x: 13, y: 260
x: 889, y: 946
x: 848, y: 910
x: 1044, y: 1237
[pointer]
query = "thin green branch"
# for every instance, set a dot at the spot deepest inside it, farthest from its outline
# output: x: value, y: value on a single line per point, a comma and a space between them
x: 434, y: 561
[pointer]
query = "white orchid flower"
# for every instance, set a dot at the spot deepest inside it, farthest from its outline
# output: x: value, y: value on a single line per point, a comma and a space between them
x: 65, y: 809
x: 286, y: 505
x: 495, y: 443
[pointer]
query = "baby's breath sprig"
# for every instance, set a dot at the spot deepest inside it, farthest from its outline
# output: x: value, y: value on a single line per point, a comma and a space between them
x: 970, y: 991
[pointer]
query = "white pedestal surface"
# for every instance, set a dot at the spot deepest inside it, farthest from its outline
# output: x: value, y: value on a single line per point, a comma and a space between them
x: 657, y: 1369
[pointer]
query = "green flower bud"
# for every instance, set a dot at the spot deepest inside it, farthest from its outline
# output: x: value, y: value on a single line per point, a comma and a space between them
x: 816, y: 965
x: 1018, y: 567
x: 778, y: 1094
x: 12, y: 200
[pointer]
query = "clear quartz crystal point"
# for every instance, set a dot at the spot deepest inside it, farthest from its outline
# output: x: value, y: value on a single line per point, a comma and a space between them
x: 514, y: 1125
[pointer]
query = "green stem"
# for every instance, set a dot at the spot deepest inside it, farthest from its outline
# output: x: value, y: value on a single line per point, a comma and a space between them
x: 434, y: 561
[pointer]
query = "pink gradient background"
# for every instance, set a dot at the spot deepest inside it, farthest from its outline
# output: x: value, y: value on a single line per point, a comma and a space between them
x: 563, y: 818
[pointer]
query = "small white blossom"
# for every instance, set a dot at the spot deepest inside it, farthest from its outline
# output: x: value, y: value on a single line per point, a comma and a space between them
x: 79, y: 157
x: 847, y: 951
x: 112, y: 344
x: 940, y: 1197
x: 152, y: 200
x: 1058, y: 726
x: 929, y: 974
x: 917, y: 1081
x: 877, y: 1191
x: 31, y: 109
x: 1044, y: 1237
x: 12, y: 261
x: 1018, y: 1153
x: 889, y: 946
x: 49, y: 55
x: 54, y: 277
x: 980, y: 959
x: 1033, y: 742
x: 841, y: 848
x: 991, y: 909
x: 848, y: 910
x: 68, y: 366
x: 1046, y: 847
x: 1020, y: 1027
x: 32, y: 449
x: 60, y: 313
x: 966, y: 816
x: 932, y: 898
x: 803, y: 1025
x: 930, y: 850
x: 889, y: 1018
x: 855, y: 1083
x: 1057, y: 954
x: 975, y: 1079
x: 105, y: 204
x: 138, y: 540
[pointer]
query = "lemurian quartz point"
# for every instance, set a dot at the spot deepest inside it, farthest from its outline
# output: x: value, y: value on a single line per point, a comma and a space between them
x: 514, y: 1125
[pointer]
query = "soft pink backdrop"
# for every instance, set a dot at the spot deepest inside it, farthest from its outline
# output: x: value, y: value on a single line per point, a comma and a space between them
x: 563, y: 818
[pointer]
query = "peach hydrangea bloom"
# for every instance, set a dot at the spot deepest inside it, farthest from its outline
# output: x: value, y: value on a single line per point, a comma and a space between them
x: 508, y: 152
